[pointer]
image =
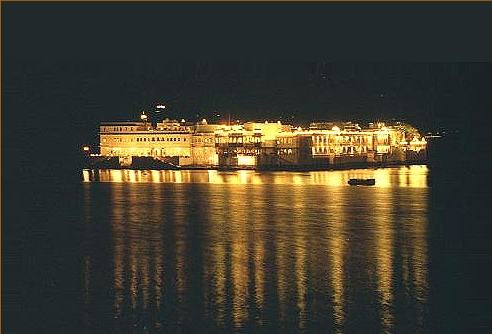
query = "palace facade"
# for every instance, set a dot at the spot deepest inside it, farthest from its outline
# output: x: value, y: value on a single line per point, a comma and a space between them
x: 258, y: 144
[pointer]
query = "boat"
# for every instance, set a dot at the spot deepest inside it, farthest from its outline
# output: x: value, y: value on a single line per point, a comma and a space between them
x: 362, y: 182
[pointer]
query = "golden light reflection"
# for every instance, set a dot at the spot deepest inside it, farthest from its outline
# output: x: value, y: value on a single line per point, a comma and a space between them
x: 336, y: 246
x: 116, y: 175
x: 281, y: 264
x: 119, y: 247
x: 265, y: 248
x: 240, y: 262
x: 138, y: 265
x: 86, y: 177
x: 259, y: 250
x: 405, y: 176
x: 215, y: 268
x: 181, y: 230
x: 155, y: 176
x: 219, y: 279
x: 417, y: 176
x: 133, y: 278
x: 300, y: 254
x: 212, y: 176
x: 384, y: 239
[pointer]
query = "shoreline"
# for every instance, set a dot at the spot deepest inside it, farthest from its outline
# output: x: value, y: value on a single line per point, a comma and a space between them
x: 270, y: 168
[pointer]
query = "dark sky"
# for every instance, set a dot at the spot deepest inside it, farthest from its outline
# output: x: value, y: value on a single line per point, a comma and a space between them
x: 68, y: 66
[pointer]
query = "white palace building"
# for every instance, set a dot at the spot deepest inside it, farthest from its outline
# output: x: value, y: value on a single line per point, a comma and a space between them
x: 257, y: 144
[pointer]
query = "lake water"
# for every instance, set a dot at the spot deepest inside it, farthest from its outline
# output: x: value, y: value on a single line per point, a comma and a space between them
x: 122, y: 251
x: 244, y: 251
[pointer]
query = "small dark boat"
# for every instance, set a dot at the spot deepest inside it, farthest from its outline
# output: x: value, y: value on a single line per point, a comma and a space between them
x: 362, y: 182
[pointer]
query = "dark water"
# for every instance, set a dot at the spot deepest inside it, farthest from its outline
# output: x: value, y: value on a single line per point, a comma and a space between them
x: 208, y: 251
x: 243, y: 251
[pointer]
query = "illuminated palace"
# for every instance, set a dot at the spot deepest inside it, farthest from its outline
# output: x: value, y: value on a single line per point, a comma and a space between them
x: 260, y: 144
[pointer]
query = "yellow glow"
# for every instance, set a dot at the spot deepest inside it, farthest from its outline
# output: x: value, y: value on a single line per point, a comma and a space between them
x: 116, y: 175
x: 181, y: 257
x: 246, y: 160
x: 414, y: 176
x: 86, y: 148
x: 86, y: 176
x: 154, y: 176
x: 300, y: 254
x: 336, y: 240
x: 384, y: 239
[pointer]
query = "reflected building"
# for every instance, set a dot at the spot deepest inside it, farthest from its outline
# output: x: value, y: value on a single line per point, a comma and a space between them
x: 273, y: 246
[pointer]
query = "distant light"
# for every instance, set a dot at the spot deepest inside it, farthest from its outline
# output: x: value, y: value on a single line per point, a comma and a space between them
x: 160, y: 106
x: 86, y: 148
x: 335, y: 128
x: 143, y: 117
x: 182, y: 120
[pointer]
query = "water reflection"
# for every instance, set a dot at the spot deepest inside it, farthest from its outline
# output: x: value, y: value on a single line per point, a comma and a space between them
x: 242, y: 251
x: 414, y: 176
x: 336, y: 243
x: 384, y: 249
